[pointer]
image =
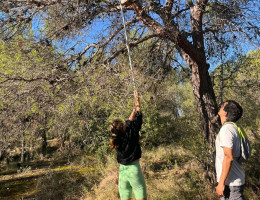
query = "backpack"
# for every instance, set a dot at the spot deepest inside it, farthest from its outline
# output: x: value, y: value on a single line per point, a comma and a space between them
x: 245, y: 148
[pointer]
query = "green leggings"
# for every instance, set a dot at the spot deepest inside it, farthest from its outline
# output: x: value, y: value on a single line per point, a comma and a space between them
x: 131, y: 178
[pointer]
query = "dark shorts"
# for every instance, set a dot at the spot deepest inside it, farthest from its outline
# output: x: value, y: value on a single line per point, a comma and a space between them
x: 233, y: 193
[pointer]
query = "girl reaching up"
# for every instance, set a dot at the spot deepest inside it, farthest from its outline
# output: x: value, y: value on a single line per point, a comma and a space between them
x: 125, y: 139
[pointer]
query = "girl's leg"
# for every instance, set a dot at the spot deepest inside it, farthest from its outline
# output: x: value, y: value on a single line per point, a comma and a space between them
x: 125, y: 189
x: 137, y: 181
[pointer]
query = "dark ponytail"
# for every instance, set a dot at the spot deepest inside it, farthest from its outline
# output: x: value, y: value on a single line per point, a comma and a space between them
x: 117, y: 128
x: 114, y: 142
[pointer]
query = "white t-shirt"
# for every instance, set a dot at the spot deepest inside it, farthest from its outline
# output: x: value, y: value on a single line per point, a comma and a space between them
x: 228, y: 137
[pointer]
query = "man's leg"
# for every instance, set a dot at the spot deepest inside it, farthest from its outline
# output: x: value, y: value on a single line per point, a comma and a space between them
x: 236, y: 192
x: 233, y: 193
x: 226, y: 193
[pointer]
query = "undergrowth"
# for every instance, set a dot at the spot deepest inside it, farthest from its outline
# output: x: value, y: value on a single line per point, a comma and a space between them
x: 171, y: 172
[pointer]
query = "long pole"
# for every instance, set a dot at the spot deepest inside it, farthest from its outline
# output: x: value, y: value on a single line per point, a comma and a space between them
x: 127, y: 45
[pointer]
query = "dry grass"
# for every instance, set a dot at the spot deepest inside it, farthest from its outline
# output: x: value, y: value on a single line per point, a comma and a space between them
x: 170, y: 173
x: 107, y: 188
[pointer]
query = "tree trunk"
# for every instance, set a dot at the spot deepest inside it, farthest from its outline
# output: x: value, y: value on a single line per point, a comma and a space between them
x: 206, y: 101
x: 201, y: 82
x: 221, y: 83
x: 23, y: 148
x: 44, y: 143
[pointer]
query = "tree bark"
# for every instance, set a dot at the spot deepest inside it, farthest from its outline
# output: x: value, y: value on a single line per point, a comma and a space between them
x: 44, y: 142
x: 206, y: 101
x: 201, y: 82
x: 23, y: 148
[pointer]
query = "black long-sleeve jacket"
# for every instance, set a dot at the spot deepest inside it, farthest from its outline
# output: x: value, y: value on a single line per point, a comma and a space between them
x: 129, y: 148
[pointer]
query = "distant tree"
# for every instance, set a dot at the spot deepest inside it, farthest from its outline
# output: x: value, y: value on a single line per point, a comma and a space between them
x: 30, y: 89
x: 241, y: 83
x: 194, y: 28
x: 75, y: 107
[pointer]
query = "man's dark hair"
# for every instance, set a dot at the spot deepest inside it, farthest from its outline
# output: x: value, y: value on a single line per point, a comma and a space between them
x: 234, y: 111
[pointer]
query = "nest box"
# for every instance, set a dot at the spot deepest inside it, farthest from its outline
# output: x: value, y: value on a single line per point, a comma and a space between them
x: 126, y: 2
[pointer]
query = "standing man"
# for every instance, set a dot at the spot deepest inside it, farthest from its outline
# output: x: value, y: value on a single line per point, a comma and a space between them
x: 230, y: 173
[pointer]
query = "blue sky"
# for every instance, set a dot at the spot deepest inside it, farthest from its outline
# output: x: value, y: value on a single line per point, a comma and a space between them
x: 99, y: 27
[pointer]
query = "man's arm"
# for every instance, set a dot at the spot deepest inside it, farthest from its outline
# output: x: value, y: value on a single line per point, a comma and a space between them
x: 226, y: 165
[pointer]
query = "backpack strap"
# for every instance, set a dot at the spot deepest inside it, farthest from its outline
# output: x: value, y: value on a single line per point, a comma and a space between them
x: 245, y: 149
x: 242, y: 133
